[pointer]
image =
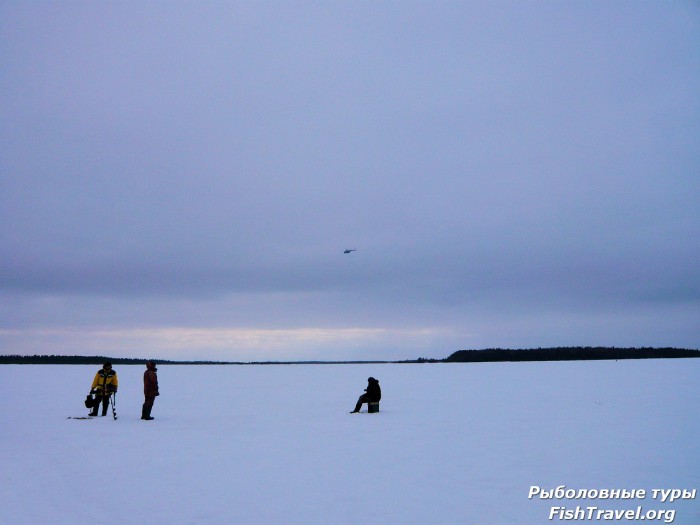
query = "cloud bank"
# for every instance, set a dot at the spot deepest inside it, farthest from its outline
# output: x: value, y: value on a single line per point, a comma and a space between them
x: 182, y: 179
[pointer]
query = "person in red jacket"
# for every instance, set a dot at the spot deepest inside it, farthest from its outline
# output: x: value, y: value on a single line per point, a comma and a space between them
x: 150, y: 390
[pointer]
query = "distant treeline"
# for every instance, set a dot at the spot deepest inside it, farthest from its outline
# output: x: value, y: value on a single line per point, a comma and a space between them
x: 100, y: 360
x: 569, y: 353
x: 81, y: 360
x: 577, y: 353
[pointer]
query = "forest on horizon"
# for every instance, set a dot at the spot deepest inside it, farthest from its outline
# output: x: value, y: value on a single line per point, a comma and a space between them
x: 488, y: 355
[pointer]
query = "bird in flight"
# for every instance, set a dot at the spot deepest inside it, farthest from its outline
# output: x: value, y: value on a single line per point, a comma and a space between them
x: 348, y: 250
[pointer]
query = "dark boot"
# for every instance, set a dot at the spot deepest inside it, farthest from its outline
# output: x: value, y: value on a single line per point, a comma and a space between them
x: 105, y: 406
x: 146, y: 413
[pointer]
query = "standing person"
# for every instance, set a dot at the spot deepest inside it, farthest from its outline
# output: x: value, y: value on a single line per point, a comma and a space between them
x: 150, y: 390
x: 373, y: 393
x: 104, y: 384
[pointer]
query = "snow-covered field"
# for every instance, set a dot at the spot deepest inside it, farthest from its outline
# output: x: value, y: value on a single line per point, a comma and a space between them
x: 269, y: 445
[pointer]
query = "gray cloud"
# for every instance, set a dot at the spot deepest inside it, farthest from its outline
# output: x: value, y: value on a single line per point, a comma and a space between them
x: 492, y: 163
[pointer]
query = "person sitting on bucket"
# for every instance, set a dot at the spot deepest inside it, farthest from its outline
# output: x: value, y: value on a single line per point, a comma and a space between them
x: 373, y: 393
x: 103, y: 385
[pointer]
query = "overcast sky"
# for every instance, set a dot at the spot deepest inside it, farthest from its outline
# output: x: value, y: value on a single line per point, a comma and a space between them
x: 180, y: 179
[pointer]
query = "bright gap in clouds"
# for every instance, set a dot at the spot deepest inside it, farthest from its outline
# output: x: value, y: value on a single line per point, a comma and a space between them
x: 222, y: 344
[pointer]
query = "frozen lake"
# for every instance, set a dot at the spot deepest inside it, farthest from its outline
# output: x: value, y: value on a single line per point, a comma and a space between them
x: 276, y: 445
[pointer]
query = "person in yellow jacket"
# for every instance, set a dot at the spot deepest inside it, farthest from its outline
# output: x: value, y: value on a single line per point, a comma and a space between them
x: 104, y: 384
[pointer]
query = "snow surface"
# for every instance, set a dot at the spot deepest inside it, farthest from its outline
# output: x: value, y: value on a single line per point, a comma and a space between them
x: 275, y: 444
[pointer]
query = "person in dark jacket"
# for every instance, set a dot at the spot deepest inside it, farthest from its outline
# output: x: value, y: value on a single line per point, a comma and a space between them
x: 373, y: 393
x: 150, y: 390
x: 103, y: 386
